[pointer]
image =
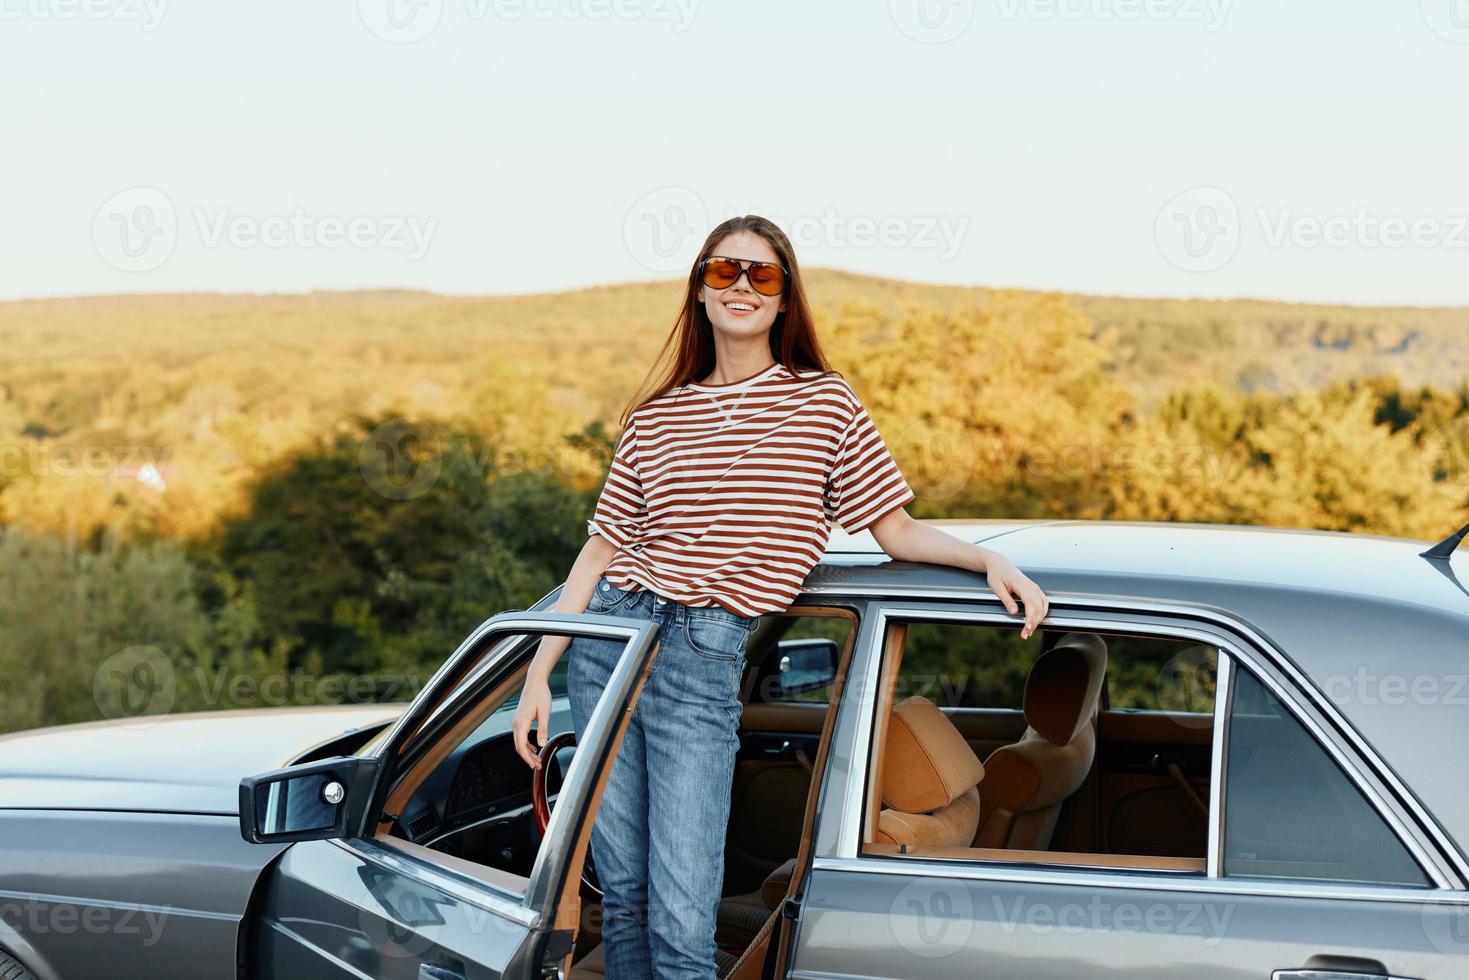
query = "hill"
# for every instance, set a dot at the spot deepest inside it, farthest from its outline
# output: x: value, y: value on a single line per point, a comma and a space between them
x: 196, y: 393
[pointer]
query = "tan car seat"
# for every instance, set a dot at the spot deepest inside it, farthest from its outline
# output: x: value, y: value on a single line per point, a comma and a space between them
x: 1026, y: 783
x: 930, y: 778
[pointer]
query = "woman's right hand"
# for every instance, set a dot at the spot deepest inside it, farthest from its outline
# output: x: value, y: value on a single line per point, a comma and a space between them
x: 535, y: 706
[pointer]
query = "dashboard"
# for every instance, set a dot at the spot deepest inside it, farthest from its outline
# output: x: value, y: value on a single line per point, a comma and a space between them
x: 486, y: 782
x: 480, y: 795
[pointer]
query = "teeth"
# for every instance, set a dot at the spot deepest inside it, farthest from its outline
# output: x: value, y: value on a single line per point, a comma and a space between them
x: 741, y: 306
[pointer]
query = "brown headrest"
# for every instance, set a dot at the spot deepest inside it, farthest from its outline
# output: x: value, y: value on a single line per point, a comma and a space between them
x: 1064, y: 684
x: 926, y: 762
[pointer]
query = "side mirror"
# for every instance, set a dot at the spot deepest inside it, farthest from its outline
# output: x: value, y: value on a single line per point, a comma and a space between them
x: 804, y: 665
x: 312, y: 801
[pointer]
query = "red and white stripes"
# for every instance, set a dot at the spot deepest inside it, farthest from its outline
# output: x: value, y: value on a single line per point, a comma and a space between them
x: 725, y: 494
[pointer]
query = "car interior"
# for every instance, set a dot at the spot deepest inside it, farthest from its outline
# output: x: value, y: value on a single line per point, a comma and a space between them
x: 1093, y: 750
x: 1070, y: 748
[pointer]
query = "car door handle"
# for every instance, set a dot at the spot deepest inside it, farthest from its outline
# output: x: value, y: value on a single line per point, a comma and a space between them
x: 1310, y: 974
x: 428, y: 971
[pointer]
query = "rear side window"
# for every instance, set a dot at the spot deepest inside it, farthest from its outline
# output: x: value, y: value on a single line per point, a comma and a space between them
x: 1290, y: 811
x: 956, y: 665
x: 1157, y: 674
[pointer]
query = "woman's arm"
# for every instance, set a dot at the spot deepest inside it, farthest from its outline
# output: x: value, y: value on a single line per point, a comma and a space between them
x: 905, y: 539
x: 535, y: 699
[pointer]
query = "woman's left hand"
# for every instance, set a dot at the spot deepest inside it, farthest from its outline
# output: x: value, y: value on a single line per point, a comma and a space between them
x: 1010, y: 583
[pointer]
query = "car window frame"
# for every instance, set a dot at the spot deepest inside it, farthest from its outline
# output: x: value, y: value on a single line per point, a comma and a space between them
x: 1238, y: 645
x: 512, y: 639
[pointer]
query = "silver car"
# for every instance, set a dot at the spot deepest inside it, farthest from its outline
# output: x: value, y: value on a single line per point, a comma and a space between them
x: 1228, y: 753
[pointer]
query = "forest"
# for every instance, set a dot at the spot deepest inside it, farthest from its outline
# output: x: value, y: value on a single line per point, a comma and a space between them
x: 287, y: 499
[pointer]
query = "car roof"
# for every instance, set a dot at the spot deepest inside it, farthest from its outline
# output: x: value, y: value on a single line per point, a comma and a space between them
x: 1279, y: 556
x: 1382, y: 632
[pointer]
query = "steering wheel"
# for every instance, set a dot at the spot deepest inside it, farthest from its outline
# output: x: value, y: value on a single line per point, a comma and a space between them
x: 541, y: 806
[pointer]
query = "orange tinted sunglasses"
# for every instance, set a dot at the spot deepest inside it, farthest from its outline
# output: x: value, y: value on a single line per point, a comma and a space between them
x: 766, y: 278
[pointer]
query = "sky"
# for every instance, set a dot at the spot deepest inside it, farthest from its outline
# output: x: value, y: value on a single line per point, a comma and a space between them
x: 1281, y: 149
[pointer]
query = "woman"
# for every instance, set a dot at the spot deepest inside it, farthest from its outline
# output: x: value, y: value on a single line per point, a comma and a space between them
x: 717, y: 504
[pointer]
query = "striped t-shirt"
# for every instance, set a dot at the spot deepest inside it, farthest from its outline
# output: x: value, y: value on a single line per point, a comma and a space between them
x: 724, y: 494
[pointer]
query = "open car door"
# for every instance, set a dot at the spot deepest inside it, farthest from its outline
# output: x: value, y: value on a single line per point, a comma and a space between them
x: 350, y: 900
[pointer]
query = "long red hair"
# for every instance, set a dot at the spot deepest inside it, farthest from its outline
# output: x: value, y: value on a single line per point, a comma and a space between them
x: 688, y: 351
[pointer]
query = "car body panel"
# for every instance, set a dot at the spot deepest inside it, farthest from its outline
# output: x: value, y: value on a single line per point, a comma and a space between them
x: 154, y: 896
x: 330, y: 913
x: 184, y: 763
x: 925, y: 924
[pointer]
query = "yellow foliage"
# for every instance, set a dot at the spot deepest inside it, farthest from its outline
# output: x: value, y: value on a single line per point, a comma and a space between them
x: 996, y: 402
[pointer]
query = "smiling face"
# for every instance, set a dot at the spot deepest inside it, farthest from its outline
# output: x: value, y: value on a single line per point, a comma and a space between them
x: 738, y: 310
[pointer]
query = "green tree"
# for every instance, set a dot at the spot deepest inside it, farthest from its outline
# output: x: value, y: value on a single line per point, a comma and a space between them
x: 381, y: 563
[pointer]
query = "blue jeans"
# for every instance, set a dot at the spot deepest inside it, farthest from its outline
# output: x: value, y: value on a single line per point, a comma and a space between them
x: 658, y: 838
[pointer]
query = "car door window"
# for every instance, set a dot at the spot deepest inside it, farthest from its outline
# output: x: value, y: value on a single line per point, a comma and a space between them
x: 473, y: 804
x: 957, y: 665
x: 468, y: 795
x: 1159, y: 674
x: 1290, y: 810
x: 1040, y: 799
